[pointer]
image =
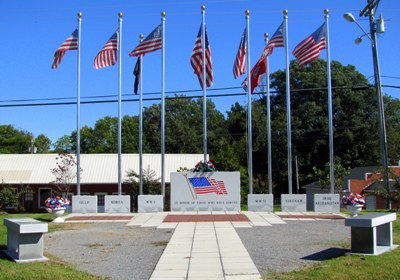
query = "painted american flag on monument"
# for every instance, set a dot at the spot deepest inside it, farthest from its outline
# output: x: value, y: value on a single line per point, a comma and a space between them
x: 108, y: 54
x: 196, y: 60
x: 152, y: 43
x: 71, y: 43
x: 239, y: 67
x: 309, y: 49
x: 204, y: 185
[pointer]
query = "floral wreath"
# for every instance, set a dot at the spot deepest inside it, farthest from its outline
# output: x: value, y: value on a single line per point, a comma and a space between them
x: 204, y: 167
x: 56, y: 202
x: 353, y: 199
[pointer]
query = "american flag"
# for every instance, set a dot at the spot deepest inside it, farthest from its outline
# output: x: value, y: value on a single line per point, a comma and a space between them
x: 203, y: 185
x: 197, y: 60
x: 276, y: 41
x: 239, y: 67
x: 152, y: 43
x: 309, y: 49
x: 71, y: 43
x: 108, y: 54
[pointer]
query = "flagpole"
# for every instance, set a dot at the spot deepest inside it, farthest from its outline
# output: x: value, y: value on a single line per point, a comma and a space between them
x: 289, y: 132
x: 78, y: 112
x: 249, y: 130
x: 163, y: 106
x: 140, y: 123
x: 119, y: 103
x: 268, y: 119
x: 203, y: 47
x: 328, y: 64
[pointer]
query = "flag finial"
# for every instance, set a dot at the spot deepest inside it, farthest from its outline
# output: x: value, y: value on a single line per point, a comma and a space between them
x: 203, y: 8
x: 285, y: 12
x: 247, y: 12
x: 141, y: 37
x: 326, y: 11
x: 120, y: 15
x: 163, y: 14
x: 79, y: 15
x: 266, y: 36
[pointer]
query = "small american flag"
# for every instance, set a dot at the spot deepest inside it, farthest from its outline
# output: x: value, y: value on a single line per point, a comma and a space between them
x: 309, y: 49
x: 276, y: 41
x: 108, y: 54
x: 203, y: 185
x: 71, y: 43
x: 196, y: 60
x: 239, y: 67
x: 152, y: 43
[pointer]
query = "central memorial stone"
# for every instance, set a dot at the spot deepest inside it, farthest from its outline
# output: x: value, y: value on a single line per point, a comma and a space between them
x: 208, y: 191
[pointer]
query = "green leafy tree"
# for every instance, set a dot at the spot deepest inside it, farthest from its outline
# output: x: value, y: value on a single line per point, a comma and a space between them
x: 42, y: 143
x: 14, y: 141
x: 393, y: 194
x: 324, y: 177
x: 63, y: 144
x: 9, y: 196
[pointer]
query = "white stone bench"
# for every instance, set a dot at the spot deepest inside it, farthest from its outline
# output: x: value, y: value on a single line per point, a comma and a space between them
x: 372, y: 233
x: 25, y: 239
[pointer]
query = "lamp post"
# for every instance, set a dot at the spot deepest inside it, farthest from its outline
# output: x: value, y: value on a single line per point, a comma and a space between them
x: 378, y: 89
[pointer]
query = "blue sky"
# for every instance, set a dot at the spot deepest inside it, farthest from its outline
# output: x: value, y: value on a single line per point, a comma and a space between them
x: 31, y: 31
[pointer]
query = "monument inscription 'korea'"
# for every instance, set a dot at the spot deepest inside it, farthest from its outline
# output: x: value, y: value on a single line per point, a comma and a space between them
x: 209, y: 191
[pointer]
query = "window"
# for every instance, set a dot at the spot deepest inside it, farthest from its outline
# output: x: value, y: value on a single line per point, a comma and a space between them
x: 100, y: 198
x: 44, y: 193
x: 28, y: 195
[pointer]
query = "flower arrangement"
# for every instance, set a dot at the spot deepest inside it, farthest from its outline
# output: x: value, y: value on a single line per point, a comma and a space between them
x: 353, y: 199
x: 204, y: 167
x: 56, y: 203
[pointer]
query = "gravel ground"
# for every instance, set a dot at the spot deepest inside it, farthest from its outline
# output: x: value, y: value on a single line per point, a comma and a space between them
x: 109, y: 249
x: 283, y: 248
x: 121, y: 252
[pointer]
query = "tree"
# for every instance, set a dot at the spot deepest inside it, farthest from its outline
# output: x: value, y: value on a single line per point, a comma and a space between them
x: 10, y: 196
x: 324, y: 177
x: 393, y: 194
x: 14, y: 141
x: 42, y: 143
x: 65, y: 173
x: 63, y: 144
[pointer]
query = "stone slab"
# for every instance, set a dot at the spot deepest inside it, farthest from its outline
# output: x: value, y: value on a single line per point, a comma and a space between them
x: 294, y: 202
x: 150, y: 203
x: 260, y: 202
x: 329, y: 203
x: 84, y: 204
x: 117, y: 203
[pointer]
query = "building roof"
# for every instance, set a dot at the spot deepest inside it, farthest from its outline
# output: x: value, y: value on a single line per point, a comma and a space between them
x: 96, y: 168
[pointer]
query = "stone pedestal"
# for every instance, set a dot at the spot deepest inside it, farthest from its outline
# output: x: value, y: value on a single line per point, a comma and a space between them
x: 25, y: 239
x: 324, y: 202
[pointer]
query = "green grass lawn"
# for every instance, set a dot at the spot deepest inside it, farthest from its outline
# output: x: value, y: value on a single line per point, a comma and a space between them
x: 50, y: 270
x: 385, y: 266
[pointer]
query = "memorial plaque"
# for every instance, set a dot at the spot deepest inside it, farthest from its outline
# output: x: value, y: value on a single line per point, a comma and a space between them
x: 150, y: 203
x: 84, y: 204
x: 324, y: 202
x: 117, y: 203
x: 209, y: 191
x: 260, y: 202
x: 293, y: 202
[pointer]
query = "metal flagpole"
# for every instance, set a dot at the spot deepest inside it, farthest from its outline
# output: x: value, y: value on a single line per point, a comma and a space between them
x: 163, y: 107
x: 289, y: 132
x: 249, y: 130
x: 328, y: 66
x: 119, y: 104
x: 203, y: 47
x: 78, y: 112
x: 140, y: 123
x: 268, y: 120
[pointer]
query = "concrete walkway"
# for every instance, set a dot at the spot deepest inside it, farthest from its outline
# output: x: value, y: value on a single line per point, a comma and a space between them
x: 204, y: 250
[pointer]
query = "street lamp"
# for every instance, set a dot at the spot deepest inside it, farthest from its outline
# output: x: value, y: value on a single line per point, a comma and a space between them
x: 378, y: 88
